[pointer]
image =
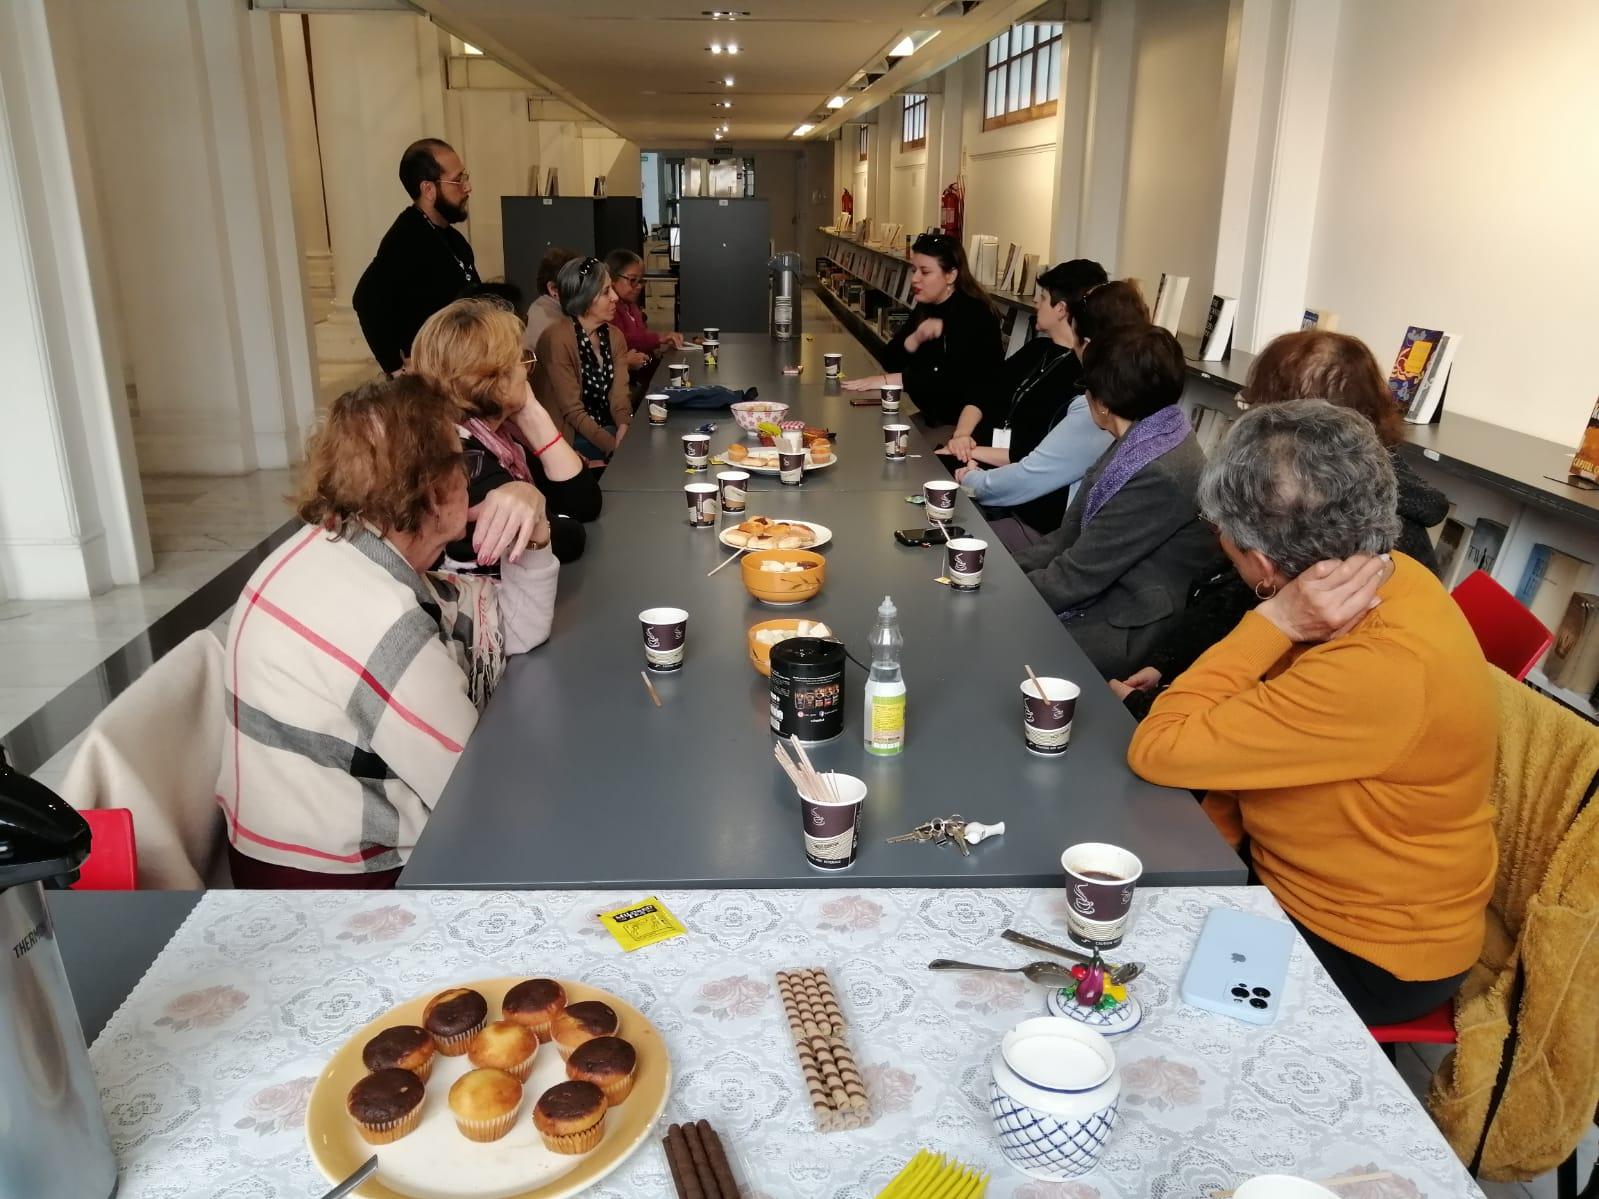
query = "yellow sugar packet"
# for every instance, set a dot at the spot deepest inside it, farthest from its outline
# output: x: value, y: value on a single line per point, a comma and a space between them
x: 642, y: 923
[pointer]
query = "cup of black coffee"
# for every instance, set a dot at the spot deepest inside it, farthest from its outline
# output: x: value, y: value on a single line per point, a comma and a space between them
x: 896, y: 441
x: 665, y: 631
x: 963, y: 563
x: 832, y: 365
x: 791, y: 467
x: 657, y: 407
x: 1099, y: 892
x: 938, y: 496
x: 735, y: 485
x: 890, y: 393
x: 697, y: 450
x: 833, y: 829
x: 678, y: 372
x: 701, y: 504
x: 1047, y: 718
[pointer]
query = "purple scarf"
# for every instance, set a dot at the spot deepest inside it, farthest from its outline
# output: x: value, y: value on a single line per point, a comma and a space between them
x: 1151, y: 438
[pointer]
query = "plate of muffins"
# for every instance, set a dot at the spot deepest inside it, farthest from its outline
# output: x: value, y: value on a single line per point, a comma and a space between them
x: 503, y: 1088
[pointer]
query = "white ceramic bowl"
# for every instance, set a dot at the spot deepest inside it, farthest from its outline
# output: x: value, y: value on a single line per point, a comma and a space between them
x: 1282, y: 1186
x: 749, y: 413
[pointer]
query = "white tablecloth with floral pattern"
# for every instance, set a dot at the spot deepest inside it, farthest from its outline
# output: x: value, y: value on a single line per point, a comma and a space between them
x: 206, y: 1068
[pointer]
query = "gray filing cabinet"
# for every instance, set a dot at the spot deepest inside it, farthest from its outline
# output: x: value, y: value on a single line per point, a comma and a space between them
x: 723, y: 279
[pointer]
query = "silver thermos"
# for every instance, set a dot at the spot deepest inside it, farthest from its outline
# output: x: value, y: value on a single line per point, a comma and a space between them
x: 53, y: 1138
x: 785, y: 270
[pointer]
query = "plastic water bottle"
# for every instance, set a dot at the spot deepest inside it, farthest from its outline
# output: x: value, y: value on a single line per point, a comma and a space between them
x: 885, y: 688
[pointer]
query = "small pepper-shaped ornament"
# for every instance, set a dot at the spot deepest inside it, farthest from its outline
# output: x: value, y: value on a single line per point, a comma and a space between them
x: 1092, y: 988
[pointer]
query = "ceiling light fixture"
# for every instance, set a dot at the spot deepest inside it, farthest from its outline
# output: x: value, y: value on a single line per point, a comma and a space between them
x: 802, y: 130
x: 903, y: 47
x: 715, y: 47
x: 732, y: 47
x: 724, y: 14
x: 837, y: 102
x: 727, y: 81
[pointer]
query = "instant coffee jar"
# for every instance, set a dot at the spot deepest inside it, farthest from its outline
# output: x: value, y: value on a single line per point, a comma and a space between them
x: 807, y: 687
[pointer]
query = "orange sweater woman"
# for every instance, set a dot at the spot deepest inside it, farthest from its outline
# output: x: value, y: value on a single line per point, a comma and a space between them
x: 1354, y: 761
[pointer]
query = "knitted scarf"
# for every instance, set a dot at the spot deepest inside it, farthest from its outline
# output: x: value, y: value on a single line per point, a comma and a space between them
x: 1150, y: 439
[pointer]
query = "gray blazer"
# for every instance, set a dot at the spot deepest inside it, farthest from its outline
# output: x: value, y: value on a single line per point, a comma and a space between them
x: 1130, y: 570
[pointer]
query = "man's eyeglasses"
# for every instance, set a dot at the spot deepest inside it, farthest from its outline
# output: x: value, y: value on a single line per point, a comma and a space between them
x: 460, y: 180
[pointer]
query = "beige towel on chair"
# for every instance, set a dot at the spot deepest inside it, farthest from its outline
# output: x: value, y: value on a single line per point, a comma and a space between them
x: 156, y: 750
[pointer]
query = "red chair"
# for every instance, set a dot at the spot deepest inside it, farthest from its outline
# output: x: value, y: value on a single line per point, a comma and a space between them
x: 1511, y: 637
x: 112, y: 861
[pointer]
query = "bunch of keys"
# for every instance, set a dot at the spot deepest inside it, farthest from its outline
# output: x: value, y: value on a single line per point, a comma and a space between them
x: 939, y: 832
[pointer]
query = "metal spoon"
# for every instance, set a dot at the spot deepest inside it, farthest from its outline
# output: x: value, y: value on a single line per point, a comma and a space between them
x: 1120, y: 975
x: 366, y: 1170
x: 1048, y: 974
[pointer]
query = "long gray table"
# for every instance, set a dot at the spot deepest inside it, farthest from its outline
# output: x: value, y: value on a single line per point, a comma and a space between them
x: 573, y: 778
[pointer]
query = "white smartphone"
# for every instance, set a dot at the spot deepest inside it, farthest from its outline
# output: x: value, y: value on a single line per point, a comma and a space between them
x: 1239, y: 965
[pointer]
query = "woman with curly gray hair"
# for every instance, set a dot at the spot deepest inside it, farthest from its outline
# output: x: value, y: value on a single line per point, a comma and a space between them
x: 1352, y: 754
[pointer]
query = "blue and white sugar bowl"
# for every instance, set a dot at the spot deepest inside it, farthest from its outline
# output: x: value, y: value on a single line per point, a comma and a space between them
x: 1053, y: 1097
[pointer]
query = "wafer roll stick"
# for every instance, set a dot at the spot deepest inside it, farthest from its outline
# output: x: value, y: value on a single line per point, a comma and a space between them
x: 720, y: 1166
x: 702, y: 1164
x: 682, y: 1164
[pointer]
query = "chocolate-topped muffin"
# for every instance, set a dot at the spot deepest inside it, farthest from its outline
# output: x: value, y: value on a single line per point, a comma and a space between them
x: 407, y: 1046
x: 570, y: 1116
x: 454, y: 1017
x: 583, y: 1022
x: 535, y: 1004
x: 610, y: 1063
x: 385, y: 1105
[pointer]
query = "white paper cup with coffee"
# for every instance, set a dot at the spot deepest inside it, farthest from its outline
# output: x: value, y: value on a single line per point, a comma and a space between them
x: 1047, y: 718
x: 735, y: 485
x: 1099, y: 892
x: 890, y: 394
x: 963, y: 563
x: 701, y: 504
x: 665, y: 631
x: 657, y: 407
x: 938, y: 496
x: 678, y: 372
x: 791, y: 467
x: 697, y: 450
x: 896, y: 441
x: 832, y: 365
x: 833, y: 830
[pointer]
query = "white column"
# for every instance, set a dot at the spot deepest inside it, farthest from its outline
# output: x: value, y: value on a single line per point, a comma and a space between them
x: 305, y: 163
x: 1109, y: 131
x: 1072, y: 114
x: 949, y: 132
x: 940, y: 173
x: 71, y: 516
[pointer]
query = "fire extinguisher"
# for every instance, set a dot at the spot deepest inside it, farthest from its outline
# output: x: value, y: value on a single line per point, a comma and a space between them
x: 952, y: 209
x: 846, y: 204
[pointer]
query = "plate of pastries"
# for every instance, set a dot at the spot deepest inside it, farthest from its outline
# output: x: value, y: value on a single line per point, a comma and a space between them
x: 762, y: 459
x: 503, y: 1088
x: 771, y: 533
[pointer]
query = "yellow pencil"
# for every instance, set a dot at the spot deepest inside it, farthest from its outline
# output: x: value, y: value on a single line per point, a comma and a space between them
x: 900, y: 1186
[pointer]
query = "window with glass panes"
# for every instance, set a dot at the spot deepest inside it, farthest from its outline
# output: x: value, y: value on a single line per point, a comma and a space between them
x: 860, y: 142
x: 1022, y: 82
x: 913, y: 123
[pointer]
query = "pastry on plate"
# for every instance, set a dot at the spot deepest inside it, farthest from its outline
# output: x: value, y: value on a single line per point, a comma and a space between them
x: 583, y: 1022
x: 406, y: 1046
x: 484, y: 1103
x: 385, y: 1105
x: 570, y: 1116
x: 764, y: 533
x: 505, y: 1046
x: 454, y: 1017
x: 610, y: 1063
x: 735, y: 453
x: 536, y: 1003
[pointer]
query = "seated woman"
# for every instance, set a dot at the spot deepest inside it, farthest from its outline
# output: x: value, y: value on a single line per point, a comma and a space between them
x: 545, y: 309
x: 627, y: 277
x: 949, y: 348
x: 581, y: 373
x: 357, y: 676
x: 1041, y: 478
x: 471, y: 353
x: 1354, y: 758
x: 1117, y: 569
x: 1296, y: 366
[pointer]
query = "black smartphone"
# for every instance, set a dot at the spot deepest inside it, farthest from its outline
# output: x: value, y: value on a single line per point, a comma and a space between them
x: 928, y: 536
x: 864, y: 403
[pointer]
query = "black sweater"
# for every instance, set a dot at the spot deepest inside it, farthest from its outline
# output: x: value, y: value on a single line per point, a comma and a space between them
x: 570, y: 503
x: 418, y: 269
x: 1030, y: 394
x: 944, y: 373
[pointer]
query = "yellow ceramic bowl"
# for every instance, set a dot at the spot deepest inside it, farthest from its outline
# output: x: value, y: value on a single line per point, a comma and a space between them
x: 794, y: 587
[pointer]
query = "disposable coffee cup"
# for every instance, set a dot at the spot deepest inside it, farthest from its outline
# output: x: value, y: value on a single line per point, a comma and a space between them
x: 791, y: 467
x: 713, y: 334
x: 896, y: 441
x: 832, y: 365
x: 1099, y: 892
x: 939, y: 498
x: 701, y: 504
x: 1047, y: 718
x: 735, y: 485
x: 890, y: 394
x: 710, y: 347
x: 697, y: 450
x: 833, y: 830
x: 963, y: 563
x: 665, y: 631
x: 658, y: 408
x: 678, y: 371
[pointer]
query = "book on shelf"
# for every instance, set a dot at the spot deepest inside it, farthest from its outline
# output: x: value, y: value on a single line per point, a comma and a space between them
x: 1028, y: 279
x: 1573, y: 660
x: 1428, y: 404
x: 1319, y: 318
x: 1210, y: 426
x: 1487, y: 539
x: 1452, y: 551
x: 534, y: 174
x: 1007, y: 276
x: 1169, y: 297
x: 599, y: 187
x: 983, y: 257
x: 1021, y: 331
x: 1585, y: 462
x: 1421, y: 372
x: 552, y: 182
x: 1548, y: 583
x: 1218, y: 339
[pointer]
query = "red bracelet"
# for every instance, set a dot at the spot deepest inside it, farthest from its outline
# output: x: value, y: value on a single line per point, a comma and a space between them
x: 539, y: 453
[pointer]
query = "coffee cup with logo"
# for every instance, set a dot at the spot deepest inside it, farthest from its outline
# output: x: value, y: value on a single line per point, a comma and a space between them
x: 832, y: 365
x: 890, y: 393
x: 735, y: 485
x: 1099, y: 892
x: 963, y: 563
x: 665, y: 631
x: 697, y: 450
x: 791, y: 467
x: 896, y: 441
x: 701, y: 504
x: 1047, y: 718
x: 832, y: 830
x: 657, y: 406
x: 678, y: 372
x: 713, y: 334
x: 710, y: 347
x: 938, y: 496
